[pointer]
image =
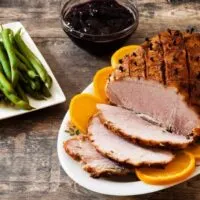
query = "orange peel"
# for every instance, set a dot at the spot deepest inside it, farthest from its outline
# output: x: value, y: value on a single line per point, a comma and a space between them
x: 99, y: 82
x: 82, y: 107
x: 178, y: 170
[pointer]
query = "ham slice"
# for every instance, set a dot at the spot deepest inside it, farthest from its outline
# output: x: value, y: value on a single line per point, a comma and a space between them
x: 153, y: 99
x: 80, y: 148
x: 123, y: 151
x: 138, y: 130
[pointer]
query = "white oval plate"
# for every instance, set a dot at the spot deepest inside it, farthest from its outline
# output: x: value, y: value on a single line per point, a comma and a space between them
x: 103, y: 186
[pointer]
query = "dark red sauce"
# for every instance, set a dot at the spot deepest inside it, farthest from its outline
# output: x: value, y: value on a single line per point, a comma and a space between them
x: 89, y: 22
x: 99, y: 17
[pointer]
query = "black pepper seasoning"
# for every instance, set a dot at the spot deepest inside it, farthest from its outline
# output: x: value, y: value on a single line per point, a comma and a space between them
x: 120, y: 61
x: 151, y: 58
x: 134, y: 54
x: 151, y: 46
x: 121, y: 68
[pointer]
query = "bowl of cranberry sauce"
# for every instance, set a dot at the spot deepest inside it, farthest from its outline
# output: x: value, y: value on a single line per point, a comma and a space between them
x: 99, y: 26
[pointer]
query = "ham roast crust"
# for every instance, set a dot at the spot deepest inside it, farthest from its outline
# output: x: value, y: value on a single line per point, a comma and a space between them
x: 171, y: 58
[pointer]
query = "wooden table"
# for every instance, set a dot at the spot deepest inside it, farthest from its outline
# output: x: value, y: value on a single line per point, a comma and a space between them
x: 29, y: 167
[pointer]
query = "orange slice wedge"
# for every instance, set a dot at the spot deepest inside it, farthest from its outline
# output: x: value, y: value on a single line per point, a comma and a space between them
x: 179, y: 169
x: 120, y: 53
x: 99, y: 82
x: 82, y: 107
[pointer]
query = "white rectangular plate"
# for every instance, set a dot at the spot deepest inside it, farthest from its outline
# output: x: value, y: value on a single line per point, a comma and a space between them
x: 56, y: 92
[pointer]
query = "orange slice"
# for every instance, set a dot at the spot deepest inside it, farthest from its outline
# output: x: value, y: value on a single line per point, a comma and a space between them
x: 194, y: 150
x: 82, y: 107
x: 120, y: 53
x: 179, y: 169
x: 99, y: 82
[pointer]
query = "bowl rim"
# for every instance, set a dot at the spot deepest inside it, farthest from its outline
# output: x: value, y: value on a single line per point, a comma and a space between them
x: 127, y: 29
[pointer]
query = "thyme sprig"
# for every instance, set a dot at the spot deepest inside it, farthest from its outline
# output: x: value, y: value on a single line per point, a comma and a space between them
x: 72, y: 129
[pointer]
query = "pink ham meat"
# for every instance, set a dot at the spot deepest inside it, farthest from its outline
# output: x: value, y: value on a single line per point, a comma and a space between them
x: 153, y: 99
x: 123, y: 151
x: 80, y: 148
x: 132, y: 126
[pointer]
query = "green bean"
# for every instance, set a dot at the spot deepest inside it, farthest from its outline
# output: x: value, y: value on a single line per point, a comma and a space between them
x: 33, y: 60
x: 5, y: 83
x: 38, y: 84
x: 23, y: 59
x: 33, y: 83
x: 23, y: 63
x: 48, y: 81
x: 2, y: 96
x: 22, y: 78
x: 15, y: 99
x: 32, y: 93
x: 45, y: 91
x: 11, y: 55
x: 5, y: 62
x: 21, y: 93
x: 22, y: 67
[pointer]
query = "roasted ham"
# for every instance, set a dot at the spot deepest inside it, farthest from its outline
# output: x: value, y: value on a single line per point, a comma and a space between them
x: 169, y: 92
x: 123, y: 151
x: 80, y: 149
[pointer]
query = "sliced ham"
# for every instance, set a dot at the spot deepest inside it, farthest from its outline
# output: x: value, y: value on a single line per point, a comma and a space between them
x: 123, y: 151
x: 80, y: 148
x: 138, y: 129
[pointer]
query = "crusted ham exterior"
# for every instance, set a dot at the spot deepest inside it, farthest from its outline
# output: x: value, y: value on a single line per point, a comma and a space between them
x: 81, y: 149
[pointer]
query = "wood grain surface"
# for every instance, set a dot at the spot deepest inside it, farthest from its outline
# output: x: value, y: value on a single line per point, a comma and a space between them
x: 29, y: 167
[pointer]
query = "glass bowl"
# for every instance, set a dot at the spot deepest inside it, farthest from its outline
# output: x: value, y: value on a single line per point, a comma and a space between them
x: 99, y: 44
